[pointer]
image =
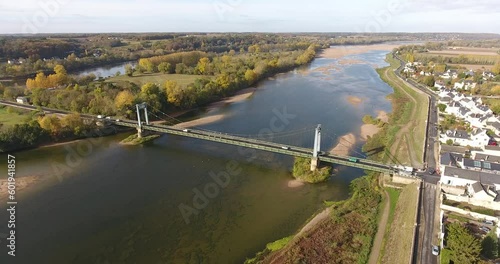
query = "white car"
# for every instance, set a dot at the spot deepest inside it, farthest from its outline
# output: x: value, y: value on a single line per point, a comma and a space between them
x: 117, y: 120
x: 435, y: 250
x: 185, y: 130
x: 285, y: 147
x: 99, y: 116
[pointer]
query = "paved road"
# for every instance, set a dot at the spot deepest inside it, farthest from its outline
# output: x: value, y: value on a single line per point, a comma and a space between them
x: 427, y: 210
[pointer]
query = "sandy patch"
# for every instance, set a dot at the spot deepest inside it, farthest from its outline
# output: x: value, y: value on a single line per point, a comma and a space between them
x: 350, y: 62
x: 238, y: 97
x: 382, y: 115
x: 21, y: 184
x: 344, y: 145
x: 200, y: 121
x: 354, y: 100
x: 341, y: 51
x: 295, y: 183
x: 316, y: 220
x: 326, y: 70
x: 368, y: 130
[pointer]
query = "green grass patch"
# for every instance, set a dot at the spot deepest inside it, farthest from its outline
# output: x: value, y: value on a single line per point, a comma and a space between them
x: 160, y: 78
x: 278, y: 244
x: 470, y: 207
x: 134, y: 140
x: 459, y: 218
x: 10, y: 117
x: 302, y: 171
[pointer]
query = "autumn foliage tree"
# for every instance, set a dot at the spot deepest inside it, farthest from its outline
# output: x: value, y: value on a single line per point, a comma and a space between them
x: 124, y: 99
x: 60, y: 77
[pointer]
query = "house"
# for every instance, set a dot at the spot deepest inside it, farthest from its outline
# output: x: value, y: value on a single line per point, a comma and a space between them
x: 22, y: 100
x: 494, y: 126
x: 451, y: 159
x: 439, y: 84
x: 488, y: 75
x: 449, y: 74
x: 465, y: 85
x: 476, y: 187
x: 478, y: 138
x: 453, y: 107
x: 459, y: 137
x: 474, y: 120
x: 463, y: 112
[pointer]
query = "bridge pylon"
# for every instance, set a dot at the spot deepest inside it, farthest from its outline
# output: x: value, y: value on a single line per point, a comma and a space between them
x: 140, y: 107
x: 317, y: 148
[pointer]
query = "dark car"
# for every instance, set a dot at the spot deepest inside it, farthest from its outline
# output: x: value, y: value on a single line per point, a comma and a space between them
x: 432, y: 171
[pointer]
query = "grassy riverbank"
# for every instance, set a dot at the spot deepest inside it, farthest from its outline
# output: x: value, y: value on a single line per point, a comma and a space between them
x: 347, y: 234
x: 402, y: 141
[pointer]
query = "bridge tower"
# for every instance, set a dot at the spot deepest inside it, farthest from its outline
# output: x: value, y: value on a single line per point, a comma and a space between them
x: 317, y: 148
x: 140, y: 107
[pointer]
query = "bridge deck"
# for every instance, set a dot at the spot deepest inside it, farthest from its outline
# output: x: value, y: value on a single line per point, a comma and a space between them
x: 266, y: 146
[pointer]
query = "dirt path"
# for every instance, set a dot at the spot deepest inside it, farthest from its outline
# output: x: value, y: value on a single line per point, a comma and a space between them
x: 382, y: 226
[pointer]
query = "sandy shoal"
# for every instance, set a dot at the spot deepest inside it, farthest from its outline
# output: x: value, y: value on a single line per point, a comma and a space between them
x: 341, y: 51
x: 354, y: 100
x: 345, y: 144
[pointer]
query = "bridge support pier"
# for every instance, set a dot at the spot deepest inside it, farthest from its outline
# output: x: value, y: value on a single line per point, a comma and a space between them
x: 317, y: 149
x: 140, y: 107
x: 314, y: 164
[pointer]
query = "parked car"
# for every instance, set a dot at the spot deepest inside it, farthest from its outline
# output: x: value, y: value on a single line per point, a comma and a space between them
x: 435, y: 250
x: 484, y: 229
x: 432, y: 171
x: 99, y: 116
x: 489, y: 222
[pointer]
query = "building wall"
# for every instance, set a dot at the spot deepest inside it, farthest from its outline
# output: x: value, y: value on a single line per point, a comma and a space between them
x: 476, y: 202
x: 454, y: 181
x: 404, y: 179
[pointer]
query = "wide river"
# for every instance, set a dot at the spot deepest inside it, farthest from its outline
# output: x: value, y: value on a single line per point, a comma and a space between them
x: 121, y: 204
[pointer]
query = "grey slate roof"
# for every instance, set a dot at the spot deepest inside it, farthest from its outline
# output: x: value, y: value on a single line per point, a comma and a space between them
x: 494, y: 124
x: 479, y: 164
x: 463, y: 111
x: 486, y: 157
x: 457, y: 134
x: 450, y: 159
x: 453, y: 149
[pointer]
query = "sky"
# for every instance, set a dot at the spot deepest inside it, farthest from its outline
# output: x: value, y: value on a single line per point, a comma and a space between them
x: 96, y: 16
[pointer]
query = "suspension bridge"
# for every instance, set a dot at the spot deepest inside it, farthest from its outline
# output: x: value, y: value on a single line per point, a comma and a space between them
x: 315, y: 153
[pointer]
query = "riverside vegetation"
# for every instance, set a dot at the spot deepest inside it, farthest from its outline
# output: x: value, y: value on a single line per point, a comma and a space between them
x: 215, y: 76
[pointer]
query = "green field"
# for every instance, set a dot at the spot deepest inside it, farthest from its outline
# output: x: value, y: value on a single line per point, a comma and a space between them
x: 159, y: 78
x: 10, y: 119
